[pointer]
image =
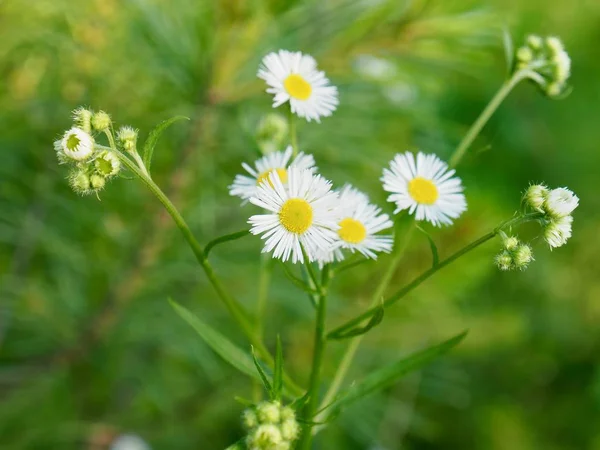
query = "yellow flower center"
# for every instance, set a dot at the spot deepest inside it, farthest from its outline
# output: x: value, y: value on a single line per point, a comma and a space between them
x: 72, y: 142
x: 297, y: 87
x: 352, y: 231
x: 423, y: 191
x: 296, y: 215
x: 265, y: 176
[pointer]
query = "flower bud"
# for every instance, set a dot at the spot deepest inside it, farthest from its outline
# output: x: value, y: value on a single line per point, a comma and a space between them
x: 558, y: 231
x: 265, y: 437
x: 504, y: 261
x: 97, y: 181
x: 524, y: 55
x: 269, y: 412
x: 290, y: 430
x: 561, y: 202
x: 127, y: 137
x: 535, y: 196
x: 83, y: 119
x: 101, y: 121
x: 107, y: 164
x: 522, y: 256
x: 76, y: 145
x: 534, y: 41
x: 271, y: 133
x: 249, y: 419
x: 80, y: 182
x: 511, y: 243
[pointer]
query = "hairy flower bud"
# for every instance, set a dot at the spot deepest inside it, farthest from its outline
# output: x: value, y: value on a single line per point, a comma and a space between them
x: 97, y: 181
x: 504, y: 260
x: 558, y: 231
x: 75, y: 145
x: 249, y: 419
x: 522, y: 256
x: 290, y: 430
x: 269, y: 412
x: 535, y: 196
x: 511, y: 243
x: 107, y: 164
x: 83, y: 119
x: 265, y: 437
x: 561, y: 202
x: 127, y: 137
x: 101, y: 121
x: 534, y: 41
x: 271, y: 133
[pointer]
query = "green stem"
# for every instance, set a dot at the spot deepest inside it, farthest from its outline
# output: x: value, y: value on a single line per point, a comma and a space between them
x: 428, y: 273
x: 264, y: 280
x: 319, y: 351
x: 352, y: 348
x: 483, y: 118
x: 293, y: 134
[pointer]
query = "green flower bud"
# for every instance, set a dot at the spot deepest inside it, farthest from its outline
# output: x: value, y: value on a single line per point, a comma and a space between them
x: 269, y: 412
x: 511, y: 243
x: 80, y: 182
x: 265, y: 437
x: 523, y: 255
x: 534, y: 41
x: 249, y: 419
x: 287, y: 413
x: 290, y: 430
x: 107, y: 164
x: 97, y: 181
x: 101, y: 121
x: 271, y: 133
x: 524, y: 54
x: 504, y: 261
x: 127, y: 137
x: 83, y: 119
x: 535, y: 196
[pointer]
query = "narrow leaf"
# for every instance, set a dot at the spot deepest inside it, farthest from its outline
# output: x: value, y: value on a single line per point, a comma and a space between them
x: 225, y: 238
x: 434, y: 250
x: 375, y: 320
x: 154, y: 136
x: 243, y: 401
x: 278, y: 373
x: 388, y: 375
x: 509, y: 49
x: 295, y: 280
x: 299, y: 403
x: 261, y: 373
x: 219, y: 343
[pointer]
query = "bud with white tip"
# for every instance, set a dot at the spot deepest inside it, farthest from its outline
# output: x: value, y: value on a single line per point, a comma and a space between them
x: 558, y: 231
x: 127, y: 137
x: 522, y: 256
x: 269, y: 412
x: 75, y: 145
x: 83, y: 119
x: 107, y: 164
x: 265, y: 437
x: 560, y: 202
x: 504, y: 261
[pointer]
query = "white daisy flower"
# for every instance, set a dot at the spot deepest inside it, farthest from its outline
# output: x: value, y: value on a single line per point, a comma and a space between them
x: 75, y: 144
x: 293, y: 77
x: 359, y: 221
x: 244, y: 186
x: 561, y: 202
x: 301, y: 213
x: 558, y: 231
x: 424, y: 186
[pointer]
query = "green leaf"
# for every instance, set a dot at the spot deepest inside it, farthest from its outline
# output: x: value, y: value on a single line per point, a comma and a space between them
x: 225, y: 238
x: 434, y: 250
x: 509, y: 49
x: 375, y: 320
x: 295, y: 280
x: 278, y: 373
x: 154, y: 136
x: 299, y: 403
x: 239, y: 445
x: 388, y: 375
x: 219, y: 343
x: 261, y: 373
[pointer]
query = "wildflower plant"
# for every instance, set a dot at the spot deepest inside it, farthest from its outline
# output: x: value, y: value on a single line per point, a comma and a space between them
x: 316, y: 230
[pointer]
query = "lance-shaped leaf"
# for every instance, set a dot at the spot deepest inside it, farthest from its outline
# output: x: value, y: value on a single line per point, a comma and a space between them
x: 434, y: 250
x: 388, y: 375
x: 375, y: 320
x: 223, y: 239
x: 261, y: 373
x: 154, y: 136
x: 509, y: 50
x: 219, y: 343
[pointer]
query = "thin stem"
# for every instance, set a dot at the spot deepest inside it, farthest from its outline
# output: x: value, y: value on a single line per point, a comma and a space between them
x: 234, y: 308
x: 319, y: 351
x: 352, y: 348
x: 483, y: 118
x: 428, y: 273
x: 293, y: 133
x: 264, y: 280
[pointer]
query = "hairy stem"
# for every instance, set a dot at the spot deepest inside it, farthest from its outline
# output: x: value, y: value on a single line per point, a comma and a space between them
x: 315, y: 375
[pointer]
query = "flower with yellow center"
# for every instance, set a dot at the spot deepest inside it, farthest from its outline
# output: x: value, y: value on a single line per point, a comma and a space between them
x: 244, y: 186
x: 426, y: 187
x: 293, y: 77
x: 302, y: 213
x: 359, y: 223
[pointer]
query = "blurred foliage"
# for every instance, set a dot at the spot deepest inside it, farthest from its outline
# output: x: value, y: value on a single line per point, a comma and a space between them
x: 90, y: 348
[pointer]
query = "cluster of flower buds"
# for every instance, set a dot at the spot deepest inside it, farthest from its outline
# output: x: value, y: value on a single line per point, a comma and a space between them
x: 270, y: 426
x: 515, y: 255
x: 548, y: 62
x: 557, y: 206
x: 91, y: 166
x: 271, y: 133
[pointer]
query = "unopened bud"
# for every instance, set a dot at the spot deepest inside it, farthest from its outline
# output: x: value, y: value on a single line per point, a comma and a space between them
x: 271, y: 133
x: 522, y: 256
x: 535, y: 196
x: 80, y: 182
x: 504, y: 261
x: 101, y: 121
x: 107, y: 164
x: 127, y: 137
x: 83, y: 119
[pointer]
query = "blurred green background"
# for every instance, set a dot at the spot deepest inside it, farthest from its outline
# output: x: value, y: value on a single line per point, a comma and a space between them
x: 90, y: 348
